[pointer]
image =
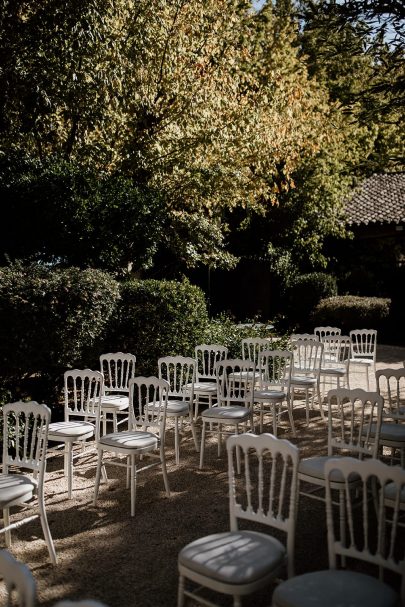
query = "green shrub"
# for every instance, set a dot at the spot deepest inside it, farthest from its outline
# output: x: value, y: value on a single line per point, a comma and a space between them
x: 352, y: 312
x: 305, y: 293
x: 225, y: 332
x: 158, y: 318
x: 51, y: 320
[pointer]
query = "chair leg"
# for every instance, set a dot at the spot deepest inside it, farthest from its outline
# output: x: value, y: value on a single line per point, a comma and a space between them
x: 70, y: 468
x: 6, y: 519
x: 164, y: 469
x: 133, y: 485
x: 98, y: 474
x: 320, y: 400
x: 176, y: 440
x: 197, y: 447
x: 307, y: 405
x: 237, y: 601
x: 274, y: 407
x: 290, y: 415
x: 202, y: 445
x: 45, y: 526
x: 180, y: 592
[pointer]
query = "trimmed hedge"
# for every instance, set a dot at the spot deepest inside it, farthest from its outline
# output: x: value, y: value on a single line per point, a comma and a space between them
x: 353, y: 312
x: 51, y: 320
x: 158, y: 318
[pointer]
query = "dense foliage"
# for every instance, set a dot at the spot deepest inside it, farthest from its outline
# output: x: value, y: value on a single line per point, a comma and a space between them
x: 51, y: 320
x: 304, y: 293
x: 352, y: 312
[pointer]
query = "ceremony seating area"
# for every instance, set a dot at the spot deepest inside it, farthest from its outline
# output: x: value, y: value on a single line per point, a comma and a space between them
x: 299, y: 452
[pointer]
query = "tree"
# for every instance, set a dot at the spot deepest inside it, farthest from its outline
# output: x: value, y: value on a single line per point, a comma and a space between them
x: 206, y: 103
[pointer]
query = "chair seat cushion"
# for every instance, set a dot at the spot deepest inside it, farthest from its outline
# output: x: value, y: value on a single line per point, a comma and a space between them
x: 131, y: 439
x: 14, y: 488
x: 338, y: 371
x: 205, y: 387
x: 393, y: 432
x: 114, y: 402
x: 334, y: 588
x: 269, y: 395
x: 233, y: 557
x: 299, y: 380
x: 362, y: 361
x: 72, y: 429
x: 390, y: 492
x: 232, y: 414
x: 315, y: 467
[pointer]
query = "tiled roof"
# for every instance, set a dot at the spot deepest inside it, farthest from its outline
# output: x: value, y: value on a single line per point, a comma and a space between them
x: 379, y: 199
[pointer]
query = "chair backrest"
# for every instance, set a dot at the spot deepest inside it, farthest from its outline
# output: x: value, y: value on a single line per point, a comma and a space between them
x: 179, y: 372
x: 252, y: 346
x: 117, y: 369
x: 147, y: 403
x: 275, y: 368
x: 206, y: 356
x: 297, y: 336
x: 83, y: 389
x: 25, y: 436
x: 354, y: 422
x: 266, y: 491
x: 371, y: 526
x: 307, y: 356
x: 391, y: 385
x: 18, y: 580
x: 235, y: 381
x: 336, y: 351
x: 322, y: 332
x: 364, y: 343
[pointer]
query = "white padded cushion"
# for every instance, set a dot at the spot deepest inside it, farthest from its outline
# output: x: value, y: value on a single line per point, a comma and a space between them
x: 131, y: 439
x: 235, y: 557
x: 205, y: 386
x: 114, y: 402
x: 390, y: 492
x: 315, y: 467
x: 334, y: 588
x: 333, y: 371
x: 14, y: 487
x: 269, y: 395
x: 235, y: 414
x: 303, y: 381
x: 73, y: 429
x: 392, y: 432
x: 362, y: 361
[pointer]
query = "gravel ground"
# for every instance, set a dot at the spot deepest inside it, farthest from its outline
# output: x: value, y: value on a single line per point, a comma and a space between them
x: 105, y: 554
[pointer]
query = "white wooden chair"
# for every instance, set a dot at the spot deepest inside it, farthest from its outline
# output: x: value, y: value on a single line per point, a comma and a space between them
x: 391, y: 385
x: 335, y: 366
x: 234, y: 408
x: 83, y: 390
x: 252, y: 347
x: 18, y: 580
x: 322, y: 332
x: 274, y: 386
x: 180, y: 373
x: 369, y: 536
x: 117, y: 369
x: 143, y: 445
x: 306, y: 372
x: 364, y: 351
x: 25, y: 436
x: 297, y: 336
x: 205, y: 386
x: 354, y: 422
x: 238, y: 562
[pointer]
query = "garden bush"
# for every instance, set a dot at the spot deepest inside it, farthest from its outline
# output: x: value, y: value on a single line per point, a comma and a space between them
x: 50, y: 320
x: 305, y: 293
x: 157, y: 318
x: 225, y: 332
x: 353, y: 312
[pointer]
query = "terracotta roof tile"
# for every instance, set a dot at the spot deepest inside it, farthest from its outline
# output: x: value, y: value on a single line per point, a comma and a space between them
x: 379, y: 199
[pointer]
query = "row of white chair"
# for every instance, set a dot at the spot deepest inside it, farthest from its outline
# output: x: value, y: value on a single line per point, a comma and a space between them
x: 238, y: 562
